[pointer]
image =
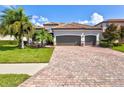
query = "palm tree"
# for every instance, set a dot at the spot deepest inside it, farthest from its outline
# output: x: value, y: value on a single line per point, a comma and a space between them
x: 42, y: 36
x: 14, y: 22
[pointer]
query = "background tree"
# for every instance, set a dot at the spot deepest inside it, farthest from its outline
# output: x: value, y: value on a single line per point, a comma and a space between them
x: 122, y: 33
x: 42, y: 36
x: 112, y: 33
x: 14, y: 22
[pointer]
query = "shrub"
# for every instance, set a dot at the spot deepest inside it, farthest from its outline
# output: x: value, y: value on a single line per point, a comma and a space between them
x: 117, y: 44
x: 8, y: 42
x: 110, y: 45
x: 104, y: 44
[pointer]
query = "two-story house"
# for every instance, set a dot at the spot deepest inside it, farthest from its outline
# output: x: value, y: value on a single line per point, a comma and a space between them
x: 105, y: 24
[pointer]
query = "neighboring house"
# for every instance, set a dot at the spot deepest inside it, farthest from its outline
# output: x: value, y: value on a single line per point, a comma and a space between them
x: 37, y: 28
x: 105, y: 24
x: 48, y: 26
x: 9, y: 37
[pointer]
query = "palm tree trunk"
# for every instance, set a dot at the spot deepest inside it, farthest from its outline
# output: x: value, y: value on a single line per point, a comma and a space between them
x: 42, y: 43
x: 21, y: 42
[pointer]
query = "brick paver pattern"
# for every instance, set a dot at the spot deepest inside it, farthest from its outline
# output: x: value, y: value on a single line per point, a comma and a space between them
x: 78, y: 66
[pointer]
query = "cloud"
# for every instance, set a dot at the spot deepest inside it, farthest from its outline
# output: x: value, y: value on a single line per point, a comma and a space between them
x: 1, y: 13
x: 43, y: 19
x: 83, y: 22
x: 39, y: 20
x: 95, y: 19
x: 35, y: 17
x: 33, y: 21
x: 38, y: 24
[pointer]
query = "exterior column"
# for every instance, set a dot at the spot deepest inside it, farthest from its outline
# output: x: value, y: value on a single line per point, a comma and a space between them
x: 54, y: 40
x: 97, y: 39
x: 82, y: 40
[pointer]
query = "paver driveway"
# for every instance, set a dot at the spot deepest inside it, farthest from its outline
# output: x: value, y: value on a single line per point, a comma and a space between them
x: 81, y: 66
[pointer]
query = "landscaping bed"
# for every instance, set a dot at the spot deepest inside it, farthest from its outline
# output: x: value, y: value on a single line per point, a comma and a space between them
x: 12, y: 54
x: 12, y: 80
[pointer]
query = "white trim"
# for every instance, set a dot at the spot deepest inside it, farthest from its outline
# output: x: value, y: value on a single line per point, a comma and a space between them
x: 79, y: 30
x: 90, y: 35
x: 83, y: 40
x: 97, y: 38
x: 54, y: 40
x: 68, y: 35
x: 82, y: 34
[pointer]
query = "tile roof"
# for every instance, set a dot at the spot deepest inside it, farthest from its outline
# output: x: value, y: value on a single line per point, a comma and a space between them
x: 112, y: 21
x: 115, y: 20
x: 51, y: 23
x: 76, y: 26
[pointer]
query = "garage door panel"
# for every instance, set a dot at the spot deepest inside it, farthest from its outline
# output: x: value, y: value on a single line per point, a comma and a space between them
x: 68, y: 40
x: 90, y: 40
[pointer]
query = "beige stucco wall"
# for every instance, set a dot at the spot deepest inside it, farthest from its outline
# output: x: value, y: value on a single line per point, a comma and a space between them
x: 104, y: 25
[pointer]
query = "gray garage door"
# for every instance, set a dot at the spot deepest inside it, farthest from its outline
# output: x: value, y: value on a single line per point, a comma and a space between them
x: 90, y: 40
x: 68, y: 40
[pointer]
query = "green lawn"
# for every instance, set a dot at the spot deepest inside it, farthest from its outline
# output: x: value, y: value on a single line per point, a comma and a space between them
x: 12, y: 80
x: 119, y: 48
x: 11, y: 54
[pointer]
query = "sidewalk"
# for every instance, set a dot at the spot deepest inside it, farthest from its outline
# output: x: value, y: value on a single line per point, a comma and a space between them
x: 30, y: 68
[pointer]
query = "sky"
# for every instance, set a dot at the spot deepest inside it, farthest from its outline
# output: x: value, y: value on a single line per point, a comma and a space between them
x: 84, y: 14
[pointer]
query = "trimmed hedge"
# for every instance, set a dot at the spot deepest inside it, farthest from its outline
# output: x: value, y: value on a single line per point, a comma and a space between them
x: 8, y: 42
x: 104, y: 44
